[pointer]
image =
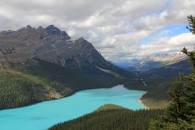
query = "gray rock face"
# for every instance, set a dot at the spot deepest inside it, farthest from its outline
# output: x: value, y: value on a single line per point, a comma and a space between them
x: 52, y: 45
x: 52, y: 30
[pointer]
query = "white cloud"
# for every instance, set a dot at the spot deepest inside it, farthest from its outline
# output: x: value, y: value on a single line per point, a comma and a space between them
x: 114, y: 27
x: 170, y: 45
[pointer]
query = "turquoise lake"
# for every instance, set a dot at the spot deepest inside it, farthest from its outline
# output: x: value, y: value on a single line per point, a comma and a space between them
x: 43, y: 115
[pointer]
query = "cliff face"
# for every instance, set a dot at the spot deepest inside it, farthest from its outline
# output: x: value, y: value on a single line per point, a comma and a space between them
x: 55, y: 46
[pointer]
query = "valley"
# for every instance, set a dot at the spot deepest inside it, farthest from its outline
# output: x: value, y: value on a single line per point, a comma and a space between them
x: 53, y: 65
x: 43, y: 70
x: 45, y: 64
x: 37, y: 81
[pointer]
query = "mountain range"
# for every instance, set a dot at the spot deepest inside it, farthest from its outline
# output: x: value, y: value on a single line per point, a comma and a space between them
x: 154, y: 74
x: 152, y: 61
x: 55, y: 46
x: 39, y: 64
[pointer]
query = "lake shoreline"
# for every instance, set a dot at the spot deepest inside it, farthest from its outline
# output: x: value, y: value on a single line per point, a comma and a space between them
x: 146, y: 107
x: 50, y: 113
x: 53, y: 99
x: 74, y: 92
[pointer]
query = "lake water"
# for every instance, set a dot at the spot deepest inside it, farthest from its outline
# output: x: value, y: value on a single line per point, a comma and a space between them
x: 44, y: 115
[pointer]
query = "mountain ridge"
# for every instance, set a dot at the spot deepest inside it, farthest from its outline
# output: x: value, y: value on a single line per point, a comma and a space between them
x: 45, y: 63
x: 55, y: 46
x: 152, y: 61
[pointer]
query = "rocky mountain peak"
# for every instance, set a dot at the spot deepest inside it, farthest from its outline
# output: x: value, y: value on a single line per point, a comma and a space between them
x: 40, y: 28
x: 28, y: 27
x: 81, y: 41
x: 55, y: 46
x: 52, y: 30
x: 63, y: 33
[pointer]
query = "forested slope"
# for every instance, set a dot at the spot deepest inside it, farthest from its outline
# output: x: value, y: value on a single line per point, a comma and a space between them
x: 35, y: 81
x: 111, y: 117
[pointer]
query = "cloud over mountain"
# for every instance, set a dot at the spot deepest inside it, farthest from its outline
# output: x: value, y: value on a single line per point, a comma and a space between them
x: 120, y: 30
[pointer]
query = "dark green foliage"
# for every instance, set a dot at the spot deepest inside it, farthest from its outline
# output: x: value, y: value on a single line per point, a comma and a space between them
x: 191, y: 55
x: 73, y: 79
x: 155, y: 104
x: 191, y: 26
x: 17, y: 91
x: 183, y: 104
x: 112, y: 118
x: 156, y: 88
x: 34, y: 81
x: 180, y: 115
x: 159, y: 80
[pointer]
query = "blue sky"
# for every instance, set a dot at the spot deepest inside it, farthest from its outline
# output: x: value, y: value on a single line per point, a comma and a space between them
x: 120, y: 30
x: 167, y: 31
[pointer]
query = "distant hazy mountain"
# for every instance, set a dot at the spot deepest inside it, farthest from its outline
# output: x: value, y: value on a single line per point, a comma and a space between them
x: 155, y: 61
x: 157, y: 81
x: 170, y: 70
x: 122, y: 64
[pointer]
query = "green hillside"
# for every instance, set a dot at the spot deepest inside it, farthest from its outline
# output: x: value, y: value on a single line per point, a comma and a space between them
x: 111, y: 117
x: 157, y: 96
x: 35, y: 81
x: 158, y: 83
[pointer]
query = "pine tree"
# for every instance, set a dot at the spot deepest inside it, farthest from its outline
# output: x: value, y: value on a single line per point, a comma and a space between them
x: 191, y: 25
x: 180, y: 115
